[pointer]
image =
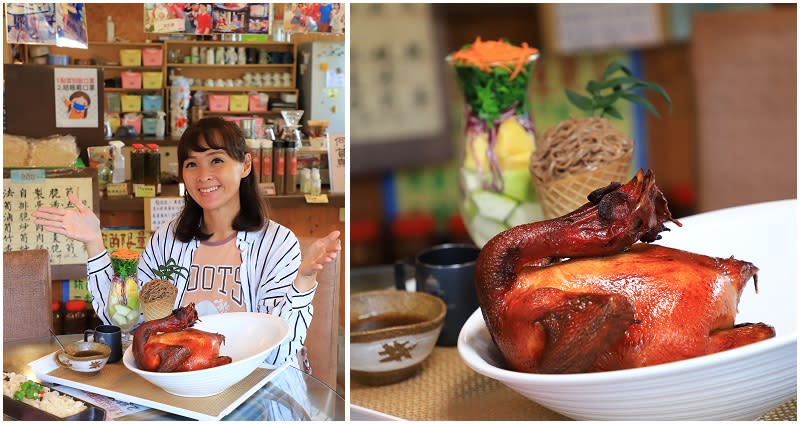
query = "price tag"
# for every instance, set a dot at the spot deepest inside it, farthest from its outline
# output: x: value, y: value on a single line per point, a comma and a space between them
x: 267, y: 189
x: 319, y: 198
x: 144, y: 190
x: 27, y: 176
x: 118, y: 189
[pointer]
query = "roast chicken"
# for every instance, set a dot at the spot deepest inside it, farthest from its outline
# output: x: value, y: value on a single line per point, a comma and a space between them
x: 170, y: 345
x: 586, y: 292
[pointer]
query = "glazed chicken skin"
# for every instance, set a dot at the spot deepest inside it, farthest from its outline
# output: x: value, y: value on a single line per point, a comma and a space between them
x: 169, y: 345
x: 615, y: 304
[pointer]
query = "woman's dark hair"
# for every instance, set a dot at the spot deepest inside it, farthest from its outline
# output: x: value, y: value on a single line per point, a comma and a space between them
x: 219, y: 134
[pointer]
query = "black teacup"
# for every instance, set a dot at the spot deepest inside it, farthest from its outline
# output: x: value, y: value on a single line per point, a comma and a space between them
x: 446, y: 271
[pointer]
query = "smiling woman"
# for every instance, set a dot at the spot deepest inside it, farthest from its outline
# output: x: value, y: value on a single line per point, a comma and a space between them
x: 238, y: 259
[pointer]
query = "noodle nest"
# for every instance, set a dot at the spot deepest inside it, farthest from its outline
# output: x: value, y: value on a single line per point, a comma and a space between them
x: 577, y: 145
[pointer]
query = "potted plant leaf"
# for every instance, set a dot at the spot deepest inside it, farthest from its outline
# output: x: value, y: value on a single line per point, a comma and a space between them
x: 581, y: 154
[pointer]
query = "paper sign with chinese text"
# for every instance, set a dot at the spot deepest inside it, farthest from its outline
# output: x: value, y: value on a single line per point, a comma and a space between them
x: 19, y: 231
x: 336, y: 162
x: 160, y: 210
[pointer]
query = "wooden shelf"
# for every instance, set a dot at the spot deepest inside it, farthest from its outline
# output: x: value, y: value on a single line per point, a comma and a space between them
x: 234, y: 89
x: 130, y: 203
x: 133, y: 68
x: 246, y: 112
x: 249, y: 66
x: 129, y: 90
x: 190, y: 43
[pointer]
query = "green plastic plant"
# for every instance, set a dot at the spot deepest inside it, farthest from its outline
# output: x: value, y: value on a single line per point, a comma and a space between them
x: 605, y: 93
x: 169, y: 270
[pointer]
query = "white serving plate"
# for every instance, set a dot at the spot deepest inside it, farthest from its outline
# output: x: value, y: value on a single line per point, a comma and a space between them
x: 738, y: 384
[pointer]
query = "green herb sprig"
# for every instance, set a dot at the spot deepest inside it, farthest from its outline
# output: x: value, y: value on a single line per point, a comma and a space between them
x: 610, y: 88
x: 489, y: 94
x: 30, y: 390
x: 169, y: 270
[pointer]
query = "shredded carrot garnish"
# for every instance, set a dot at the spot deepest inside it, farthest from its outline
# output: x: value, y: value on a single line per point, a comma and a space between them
x: 487, y: 54
x: 125, y: 254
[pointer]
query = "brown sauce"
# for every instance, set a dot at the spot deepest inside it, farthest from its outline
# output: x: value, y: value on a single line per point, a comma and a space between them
x: 384, y: 321
x: 86, y: 353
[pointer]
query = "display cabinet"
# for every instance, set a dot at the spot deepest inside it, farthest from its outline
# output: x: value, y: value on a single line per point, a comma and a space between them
x: 239, y: 78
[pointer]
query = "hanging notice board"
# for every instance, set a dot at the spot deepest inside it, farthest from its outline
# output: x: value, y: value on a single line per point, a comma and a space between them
x: 160, y: 210
x: 24, y: 191
x: 574, y: 28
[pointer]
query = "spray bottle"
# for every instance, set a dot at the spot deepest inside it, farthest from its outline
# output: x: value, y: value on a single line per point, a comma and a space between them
x: 118, y: 176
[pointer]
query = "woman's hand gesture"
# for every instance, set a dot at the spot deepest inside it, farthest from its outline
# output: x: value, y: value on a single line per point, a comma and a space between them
x: 321, y: 252
x: 79, y: 223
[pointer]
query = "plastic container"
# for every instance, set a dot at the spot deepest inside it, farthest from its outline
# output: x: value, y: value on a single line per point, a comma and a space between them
x: 316, y: 182
x: 110, y: 30
x: 218, y: 102
x: 152, y: 80
x: 114, y: 104
x: 239, y: 102
x: 152, y: 56
x: 149, y: 126
x: 258, y: 102
x: 130, y: 57
x: 118, y: 175
x: 131, y: 79
x: 151, y: 103
x: 131, y: 103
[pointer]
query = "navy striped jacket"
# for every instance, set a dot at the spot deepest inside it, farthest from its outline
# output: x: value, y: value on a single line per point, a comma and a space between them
x: 270, y: 261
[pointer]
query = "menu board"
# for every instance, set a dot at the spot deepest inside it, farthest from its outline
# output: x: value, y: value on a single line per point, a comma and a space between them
x: 22, y: 196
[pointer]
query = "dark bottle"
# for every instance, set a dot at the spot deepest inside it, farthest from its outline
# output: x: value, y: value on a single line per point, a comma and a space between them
x: 152, y: 167
x: 138, y: 156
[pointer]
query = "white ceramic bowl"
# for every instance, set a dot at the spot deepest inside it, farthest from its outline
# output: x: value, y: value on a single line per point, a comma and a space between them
x: 75, y: 356
x: 738, y: 384
x: 249, y: 338
x: 395, y: 349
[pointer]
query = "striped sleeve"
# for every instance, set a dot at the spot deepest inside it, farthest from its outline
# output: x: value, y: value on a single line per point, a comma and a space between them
x: 277, y: 258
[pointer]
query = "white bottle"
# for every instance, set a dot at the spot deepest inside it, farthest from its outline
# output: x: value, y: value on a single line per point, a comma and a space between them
x: 118, y: 175
x: 110, y: 30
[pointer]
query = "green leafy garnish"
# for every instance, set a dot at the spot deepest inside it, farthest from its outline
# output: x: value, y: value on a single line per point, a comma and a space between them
x: 489, y: 94
x: 604, y: 93
x: 170, y: 269
x: 30, y: 390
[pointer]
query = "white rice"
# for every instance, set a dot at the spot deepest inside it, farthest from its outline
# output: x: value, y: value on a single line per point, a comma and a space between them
x: 53, y: 402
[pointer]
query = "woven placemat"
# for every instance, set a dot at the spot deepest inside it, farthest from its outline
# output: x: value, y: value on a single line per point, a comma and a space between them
x: 446, y: 389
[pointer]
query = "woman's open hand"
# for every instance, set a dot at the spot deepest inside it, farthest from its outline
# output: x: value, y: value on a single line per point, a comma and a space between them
x: 79, y: 223
x: 321, y: 252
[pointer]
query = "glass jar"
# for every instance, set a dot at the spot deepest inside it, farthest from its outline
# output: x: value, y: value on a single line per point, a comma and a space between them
x: 279, y: 165
x: 254, y: 148
x: 290, y: 185
x: 266, y: 161
x: 152, y: 167
x: 496, y: 144
x: 138, y: 157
